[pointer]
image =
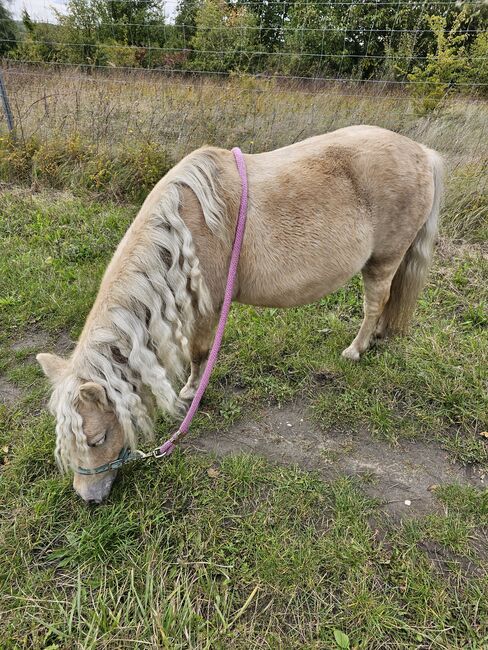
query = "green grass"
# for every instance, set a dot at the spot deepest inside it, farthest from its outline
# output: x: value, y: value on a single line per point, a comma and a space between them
x: 56, y: 251
x: 249, y: 555
x: 433, y: 381
x: 195, y: 553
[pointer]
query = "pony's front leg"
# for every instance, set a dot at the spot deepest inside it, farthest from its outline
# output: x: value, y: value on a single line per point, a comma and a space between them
x: 190, y: 388
x: 199, y: 350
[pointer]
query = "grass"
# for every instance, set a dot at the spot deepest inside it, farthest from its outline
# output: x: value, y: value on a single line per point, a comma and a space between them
x: 195, y: 553
x: 116, y: 135
x: 432, y: 381
x: 245, y: 556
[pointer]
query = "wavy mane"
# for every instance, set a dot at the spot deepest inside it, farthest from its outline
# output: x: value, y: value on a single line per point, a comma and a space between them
x: 135, y: 341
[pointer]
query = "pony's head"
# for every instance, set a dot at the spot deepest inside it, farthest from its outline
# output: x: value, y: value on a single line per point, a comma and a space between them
x: 89, y: 432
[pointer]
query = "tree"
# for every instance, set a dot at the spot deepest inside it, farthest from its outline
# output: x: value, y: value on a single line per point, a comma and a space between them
x: 225, y: 38
x: 312, y: 37
x: 478, y: 69
x: 272, y: 20
x: 27, y: 21
x: 134, y: 22
x: 80, y: 32
x: 364, y: 40
x: 8, y: 30
x: 445, y: 67
x: 186, y: 22
x: 118, y: 32
x: 41, y: 41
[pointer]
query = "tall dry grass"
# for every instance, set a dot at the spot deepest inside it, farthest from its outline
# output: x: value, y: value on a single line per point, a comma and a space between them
x: 119, y: 133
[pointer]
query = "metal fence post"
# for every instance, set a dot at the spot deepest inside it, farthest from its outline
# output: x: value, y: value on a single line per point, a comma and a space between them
x: 6, y: 104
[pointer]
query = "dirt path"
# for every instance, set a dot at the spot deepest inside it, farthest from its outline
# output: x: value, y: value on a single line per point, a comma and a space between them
x: 402, y: 477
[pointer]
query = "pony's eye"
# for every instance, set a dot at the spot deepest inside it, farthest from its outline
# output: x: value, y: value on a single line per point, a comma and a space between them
x: 99, y: 442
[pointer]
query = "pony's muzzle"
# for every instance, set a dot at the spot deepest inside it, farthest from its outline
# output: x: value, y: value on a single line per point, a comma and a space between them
x: 94, y: 489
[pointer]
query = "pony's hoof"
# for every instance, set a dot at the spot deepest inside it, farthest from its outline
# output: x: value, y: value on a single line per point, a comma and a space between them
x: 187, y: 393
x: 351, y: 353
x: 181, y: 407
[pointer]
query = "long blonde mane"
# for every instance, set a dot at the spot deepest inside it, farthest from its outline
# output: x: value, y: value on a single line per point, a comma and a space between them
x: 136, y: 340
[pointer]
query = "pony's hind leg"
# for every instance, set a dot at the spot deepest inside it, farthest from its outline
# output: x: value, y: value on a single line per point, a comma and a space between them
x: 377, y: 278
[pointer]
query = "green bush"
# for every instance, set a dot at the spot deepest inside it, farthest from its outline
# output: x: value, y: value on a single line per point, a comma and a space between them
x: 120, y: 55
x: 447, y: 65
x: 129, y: 173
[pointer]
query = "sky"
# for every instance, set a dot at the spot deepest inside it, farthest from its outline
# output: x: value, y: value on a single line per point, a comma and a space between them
x: 38, y: 9
x: 42, y: 10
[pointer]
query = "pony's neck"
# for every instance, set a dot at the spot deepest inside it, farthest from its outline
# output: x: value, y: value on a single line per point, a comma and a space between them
x: 139, y: 330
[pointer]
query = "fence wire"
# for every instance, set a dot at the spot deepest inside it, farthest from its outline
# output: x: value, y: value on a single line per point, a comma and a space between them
x: 105, y: 77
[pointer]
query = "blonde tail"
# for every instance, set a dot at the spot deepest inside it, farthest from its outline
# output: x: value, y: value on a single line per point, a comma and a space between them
x: 412, y: 272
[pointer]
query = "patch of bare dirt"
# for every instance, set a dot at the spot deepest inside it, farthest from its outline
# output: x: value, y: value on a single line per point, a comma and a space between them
x: 401, y: 477
x: 9, y: 393
x: 32, y: 340
x: 40, y: 341
x: 446, y: 561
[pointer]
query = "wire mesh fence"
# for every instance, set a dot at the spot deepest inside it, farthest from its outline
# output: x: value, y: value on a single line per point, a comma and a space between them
x: 136, y: 84
x: 404, y: 43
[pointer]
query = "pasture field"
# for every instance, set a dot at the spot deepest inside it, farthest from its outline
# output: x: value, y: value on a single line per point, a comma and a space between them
x: 301, y: 537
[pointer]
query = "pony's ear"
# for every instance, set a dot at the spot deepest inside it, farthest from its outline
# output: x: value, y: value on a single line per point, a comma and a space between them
x: 93, y: 393
x: 52, y: 365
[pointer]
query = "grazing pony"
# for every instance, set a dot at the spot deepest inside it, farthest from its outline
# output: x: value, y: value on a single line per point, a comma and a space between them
x: 359, y: 199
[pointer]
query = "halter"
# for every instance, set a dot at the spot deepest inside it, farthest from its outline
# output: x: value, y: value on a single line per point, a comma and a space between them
x: 127, y: 456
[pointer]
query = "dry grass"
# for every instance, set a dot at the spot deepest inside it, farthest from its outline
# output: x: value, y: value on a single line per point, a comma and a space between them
x: 119, y: 133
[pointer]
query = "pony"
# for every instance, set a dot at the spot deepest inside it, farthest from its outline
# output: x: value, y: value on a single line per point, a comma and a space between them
x: 359, y: 199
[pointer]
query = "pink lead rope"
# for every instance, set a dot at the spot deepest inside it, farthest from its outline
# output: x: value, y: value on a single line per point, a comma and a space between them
x: 169, y: 445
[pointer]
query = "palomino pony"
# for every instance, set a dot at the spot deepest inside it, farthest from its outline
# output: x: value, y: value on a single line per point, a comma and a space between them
x: 360, y: 199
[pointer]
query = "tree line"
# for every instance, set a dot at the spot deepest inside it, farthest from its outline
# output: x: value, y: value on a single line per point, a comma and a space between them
x: 441, y: 43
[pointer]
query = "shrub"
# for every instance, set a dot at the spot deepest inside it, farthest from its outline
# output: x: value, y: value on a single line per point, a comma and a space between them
x: 447, y: 65
x: 120, y: 55
x: 127, y: 174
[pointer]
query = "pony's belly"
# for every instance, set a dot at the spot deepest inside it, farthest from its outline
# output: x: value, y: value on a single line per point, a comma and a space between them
x: 300, y: 257
x: 289, y: 289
